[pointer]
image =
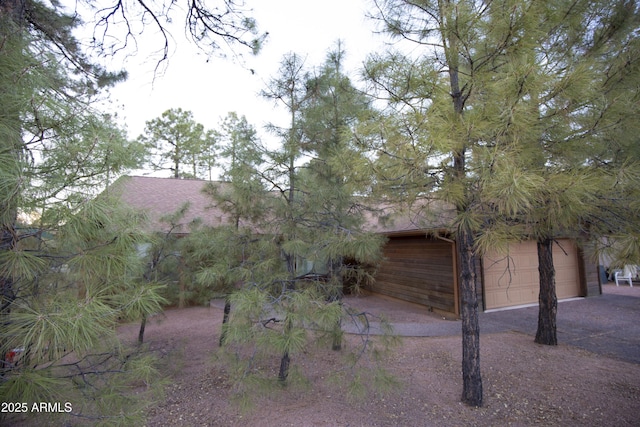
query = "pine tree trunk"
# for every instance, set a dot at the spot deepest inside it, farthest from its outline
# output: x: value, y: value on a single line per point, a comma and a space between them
x: 336, y: 295
x: 337, y: 336
x: 8, y: 294
x: 143, y: 325
x: 8, y: 241
x: 283, y: 374
x: 548, y: 309
x: 284, y: 368
x: 12, y: 154
x: 182, y: 288
x: 471, y: 378
x: 225, y: 320
x: 285, y: 359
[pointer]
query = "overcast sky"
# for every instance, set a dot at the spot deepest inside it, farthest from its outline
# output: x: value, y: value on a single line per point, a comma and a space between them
x: 211, y: 89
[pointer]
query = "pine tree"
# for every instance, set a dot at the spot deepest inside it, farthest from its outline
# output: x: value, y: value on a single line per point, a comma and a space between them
x: 514, y: 152
x: 292, y: 261
x: 68, y: 265
x: 453, y: 132
x: 70, y: 269
x: 329, y: 116
x: 592, y: 38
x: 222, y: 257
x: 208, y: 156
x: 289, y: 89
x: 560, y: 121
x: 316, y: 218
x: 175, y: 142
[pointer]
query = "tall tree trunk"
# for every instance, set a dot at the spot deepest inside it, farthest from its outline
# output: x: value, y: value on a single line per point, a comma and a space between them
x: 225, y: 320
x: 7, y: 243
x: 284, y: 368
x: 336, y: 293
x: 548, y: 302
x: 8, y: 296
x: 471, y: 378
x: 337, y: 333
x: 336, y: 345
x: 176, y: 161
x: 12, y: 149
x: 182, y: 286
x: 143, y: 325
x: 285, y: 359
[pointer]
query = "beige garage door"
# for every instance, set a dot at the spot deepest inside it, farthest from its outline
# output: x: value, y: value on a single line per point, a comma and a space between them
x: 513, y: 280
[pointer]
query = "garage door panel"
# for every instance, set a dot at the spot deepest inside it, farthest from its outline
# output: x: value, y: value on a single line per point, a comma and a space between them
x: 565, y: 261
x: 514, y: 280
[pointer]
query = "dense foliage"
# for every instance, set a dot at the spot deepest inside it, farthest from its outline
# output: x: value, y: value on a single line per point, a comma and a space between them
x: 70, y: 262
x: 520, y: 116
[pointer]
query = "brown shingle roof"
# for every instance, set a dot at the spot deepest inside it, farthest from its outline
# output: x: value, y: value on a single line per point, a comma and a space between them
x: 159, y: 197
x: 422, y: 216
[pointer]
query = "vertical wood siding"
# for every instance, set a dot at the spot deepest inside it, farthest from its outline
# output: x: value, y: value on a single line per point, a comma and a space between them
x: 589, y: 274
x: 420, y: 270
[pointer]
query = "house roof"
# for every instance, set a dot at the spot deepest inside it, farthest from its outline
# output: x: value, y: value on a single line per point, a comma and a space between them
x: 160, y: 197
x: 398, y: 219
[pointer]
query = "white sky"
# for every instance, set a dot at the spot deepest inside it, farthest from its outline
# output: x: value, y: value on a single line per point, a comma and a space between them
x: 211, y: 89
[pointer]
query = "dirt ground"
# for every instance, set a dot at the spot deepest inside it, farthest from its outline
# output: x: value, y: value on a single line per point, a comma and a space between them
x: 524, y: 384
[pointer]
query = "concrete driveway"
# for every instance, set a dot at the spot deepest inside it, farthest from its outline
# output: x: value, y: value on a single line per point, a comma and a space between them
x: 608, y: 324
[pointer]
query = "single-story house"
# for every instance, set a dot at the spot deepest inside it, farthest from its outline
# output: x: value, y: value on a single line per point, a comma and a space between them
x: 418, y: 267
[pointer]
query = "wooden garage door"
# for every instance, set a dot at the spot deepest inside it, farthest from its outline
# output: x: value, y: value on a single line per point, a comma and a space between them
x: 514, y: 280
x: 420, y: 270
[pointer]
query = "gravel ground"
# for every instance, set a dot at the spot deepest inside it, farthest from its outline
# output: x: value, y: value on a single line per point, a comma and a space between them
x: 524, y: 384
